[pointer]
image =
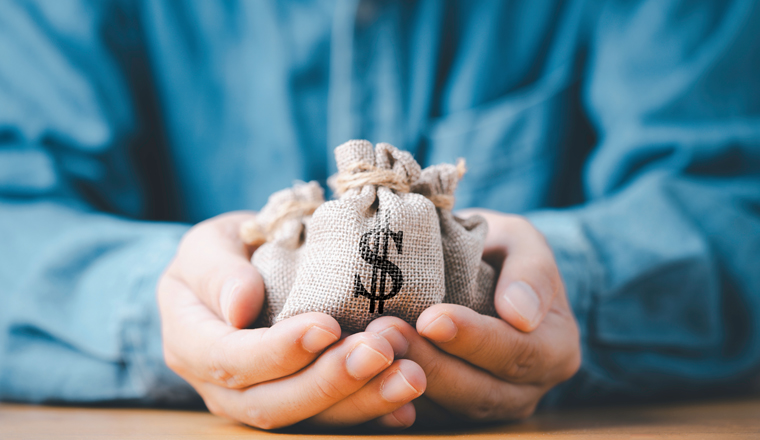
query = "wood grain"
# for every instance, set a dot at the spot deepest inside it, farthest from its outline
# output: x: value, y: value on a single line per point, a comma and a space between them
x: 738, y: 419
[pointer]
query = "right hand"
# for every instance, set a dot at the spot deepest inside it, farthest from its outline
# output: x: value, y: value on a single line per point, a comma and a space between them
x: 297, y: 370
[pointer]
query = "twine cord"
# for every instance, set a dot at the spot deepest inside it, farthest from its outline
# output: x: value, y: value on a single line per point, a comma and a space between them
x: 442, y: 201
x: 360, y: 174
x: 447, y: 201
x: 255, y: 234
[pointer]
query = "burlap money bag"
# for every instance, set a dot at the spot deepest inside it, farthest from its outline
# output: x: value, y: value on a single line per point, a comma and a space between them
x: 469, y: 280
x: 377, y: 249
x: 279, y: 231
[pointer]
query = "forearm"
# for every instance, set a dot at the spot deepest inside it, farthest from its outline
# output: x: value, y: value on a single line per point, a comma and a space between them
x: 80, y: 321
x: 659, y: 278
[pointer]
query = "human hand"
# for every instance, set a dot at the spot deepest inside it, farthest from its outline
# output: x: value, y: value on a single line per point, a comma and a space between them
x: 296, y: 371
x: 481, y: 368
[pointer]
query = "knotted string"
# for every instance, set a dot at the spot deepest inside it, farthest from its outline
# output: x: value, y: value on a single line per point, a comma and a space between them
x: 254, y: 233
x: 447, y: 201
x: 361, y: 174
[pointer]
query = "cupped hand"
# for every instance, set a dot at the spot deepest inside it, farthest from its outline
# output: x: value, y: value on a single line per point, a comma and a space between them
x: 482, y: 368
x: 299, y: 370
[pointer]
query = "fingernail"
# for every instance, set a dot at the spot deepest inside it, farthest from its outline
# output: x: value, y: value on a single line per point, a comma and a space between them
x: 396, y: 388
x: 229, y: 290
x: 396, y: 339
x: 317, y: 339
x: 364, y: 361
x: 523, y: 299
x: 442, y: 329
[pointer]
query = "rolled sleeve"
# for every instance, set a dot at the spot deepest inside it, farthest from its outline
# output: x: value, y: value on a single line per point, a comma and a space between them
x: 576, y: 259
x: 658, y: 263
x: 83, y: 324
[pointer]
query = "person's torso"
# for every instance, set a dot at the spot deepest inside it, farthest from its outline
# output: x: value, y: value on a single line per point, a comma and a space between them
x: 254, y: 95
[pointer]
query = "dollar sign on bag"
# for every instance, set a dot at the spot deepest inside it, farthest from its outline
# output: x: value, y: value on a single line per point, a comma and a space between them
x: 381, y: 266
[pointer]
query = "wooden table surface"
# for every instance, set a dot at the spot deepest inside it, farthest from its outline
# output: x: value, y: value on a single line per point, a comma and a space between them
x: 737, y: 419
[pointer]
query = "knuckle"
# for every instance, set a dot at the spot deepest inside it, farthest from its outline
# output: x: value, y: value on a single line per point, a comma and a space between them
x: 277, y: 363
x: 484, y: 347
x: 516, y: 221
x: 495, y: 406
x: 571, y: 366
x: 361, y: 409
x: 433, y: 368
x: 166, y: 288
x: 172, y: 361
x: 544, y: 275
x: 488, y: 407
x: 554, y: 279
x: 260, y: 417
x: 163, y: 283
x: 524, y: 360
x: 217, y: 367
x: 523, y: 412
x: 326, y: 389
x: 214, y: 408
x: 187, y: 242
x: 542, y: 266
x: 567, y: 363
x: 209, y: 283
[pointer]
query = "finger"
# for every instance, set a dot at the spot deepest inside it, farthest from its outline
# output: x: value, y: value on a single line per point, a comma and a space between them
x: 198, y: 344
x: 459, y: 387
x: 215, y: 264
x: 529, y: 279
x: 403, y: 381
x: 430, y: 415
x: 401, y: 418
x: 339, y: 372
x: 544, y: 356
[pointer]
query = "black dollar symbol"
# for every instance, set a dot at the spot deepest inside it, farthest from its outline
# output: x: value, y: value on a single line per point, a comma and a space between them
x: 380, y: 263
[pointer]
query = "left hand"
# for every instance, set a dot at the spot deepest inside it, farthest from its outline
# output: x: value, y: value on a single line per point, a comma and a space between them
x: 481, y: 368
x: 296, y: 371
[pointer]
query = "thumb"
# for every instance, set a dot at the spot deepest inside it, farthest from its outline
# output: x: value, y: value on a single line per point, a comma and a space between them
x: 529, y: 280
x: 215, y: 264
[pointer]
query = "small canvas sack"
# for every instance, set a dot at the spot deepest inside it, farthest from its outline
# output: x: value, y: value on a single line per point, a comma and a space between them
x: 389, y: 245
x: 279, y: 231
x: 469, y: 280
x: 376, y: 249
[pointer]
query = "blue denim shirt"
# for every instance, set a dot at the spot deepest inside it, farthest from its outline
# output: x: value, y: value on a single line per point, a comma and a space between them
x: 627, y: 132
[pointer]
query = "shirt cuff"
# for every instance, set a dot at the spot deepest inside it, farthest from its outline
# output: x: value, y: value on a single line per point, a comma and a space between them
x: 583, y: 276
x: 577, y: 260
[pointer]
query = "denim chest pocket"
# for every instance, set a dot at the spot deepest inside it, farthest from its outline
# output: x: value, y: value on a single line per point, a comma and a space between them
x: 512, y: 145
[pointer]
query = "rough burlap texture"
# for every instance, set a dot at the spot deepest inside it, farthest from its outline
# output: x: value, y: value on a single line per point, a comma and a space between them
x: 377, y: 248
x: 279, y: 231
x: 469, y: 280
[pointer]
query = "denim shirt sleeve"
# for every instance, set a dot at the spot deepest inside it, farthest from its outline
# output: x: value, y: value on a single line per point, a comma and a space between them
x: 78, y: 316
x: 661, y: 264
